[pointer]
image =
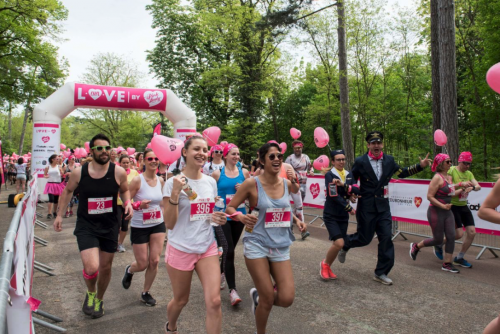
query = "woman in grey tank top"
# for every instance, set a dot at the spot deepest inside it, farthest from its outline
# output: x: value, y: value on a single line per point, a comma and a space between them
x: 267, y: 246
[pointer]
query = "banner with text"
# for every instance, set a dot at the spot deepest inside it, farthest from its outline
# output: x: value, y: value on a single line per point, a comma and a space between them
x: 46, y: 140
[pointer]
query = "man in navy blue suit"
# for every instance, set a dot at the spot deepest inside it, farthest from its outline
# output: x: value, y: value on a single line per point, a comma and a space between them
x: 374, y: 170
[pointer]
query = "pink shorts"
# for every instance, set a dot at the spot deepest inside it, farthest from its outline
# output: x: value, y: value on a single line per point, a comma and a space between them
x: 186, y: 261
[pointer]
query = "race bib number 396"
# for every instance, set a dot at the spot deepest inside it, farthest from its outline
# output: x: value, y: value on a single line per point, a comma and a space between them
x: 202, y: 209
x: 278, y: 217
x: 98, y: 206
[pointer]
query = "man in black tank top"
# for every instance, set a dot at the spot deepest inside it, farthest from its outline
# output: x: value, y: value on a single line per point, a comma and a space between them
x: 97, y: 224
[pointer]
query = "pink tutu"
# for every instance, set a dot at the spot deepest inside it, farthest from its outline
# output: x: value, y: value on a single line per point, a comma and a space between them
x: 53, y: 188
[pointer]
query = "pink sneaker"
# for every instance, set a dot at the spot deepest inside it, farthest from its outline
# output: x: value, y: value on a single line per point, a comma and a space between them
x: 235, y: 298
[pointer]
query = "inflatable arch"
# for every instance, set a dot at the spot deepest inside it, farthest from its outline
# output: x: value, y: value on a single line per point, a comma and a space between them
x: 47, y: 116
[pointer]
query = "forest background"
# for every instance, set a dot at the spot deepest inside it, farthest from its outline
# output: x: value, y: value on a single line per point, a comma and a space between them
x: 231, y: 62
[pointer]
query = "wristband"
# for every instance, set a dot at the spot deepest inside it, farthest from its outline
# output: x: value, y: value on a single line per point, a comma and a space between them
x: 126, y: 203
x: 173, y: 203
x: 460, y: 184
x: 136, y: 205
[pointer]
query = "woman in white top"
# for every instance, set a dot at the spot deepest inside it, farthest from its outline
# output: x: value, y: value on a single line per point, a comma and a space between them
x: 188, y: 200
x: 53, y: 187
x: 217, y: 163
x: 21, y: 175
x: 147, y: 227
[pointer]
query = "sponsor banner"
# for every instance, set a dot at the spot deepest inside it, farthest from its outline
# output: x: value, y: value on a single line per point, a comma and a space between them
x: 182, y: 133
x: 23, y: 263
x: 120, y: 97
x: 46, y: 141
x: 408, y: 200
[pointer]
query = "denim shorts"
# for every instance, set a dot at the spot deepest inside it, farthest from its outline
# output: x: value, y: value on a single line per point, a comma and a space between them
x: 252, y: 250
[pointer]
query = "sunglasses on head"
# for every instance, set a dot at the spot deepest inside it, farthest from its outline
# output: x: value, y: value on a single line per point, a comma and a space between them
x: 273, y: 156
x: 151, y: 159
x: 218, y: 152
x: 100, y: 148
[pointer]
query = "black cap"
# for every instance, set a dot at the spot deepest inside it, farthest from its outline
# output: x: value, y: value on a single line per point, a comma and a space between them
x: 333, y: 153
x: 374, y: 136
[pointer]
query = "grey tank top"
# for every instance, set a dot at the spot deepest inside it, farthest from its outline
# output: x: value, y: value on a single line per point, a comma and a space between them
x: 274, y: 237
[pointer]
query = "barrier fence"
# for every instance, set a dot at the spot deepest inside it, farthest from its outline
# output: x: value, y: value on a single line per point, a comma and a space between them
x: 408, y: 201
x: 17, y: 267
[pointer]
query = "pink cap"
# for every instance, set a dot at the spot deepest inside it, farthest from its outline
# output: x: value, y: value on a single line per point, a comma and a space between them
x: 465, y: 156
x: 438, y: 159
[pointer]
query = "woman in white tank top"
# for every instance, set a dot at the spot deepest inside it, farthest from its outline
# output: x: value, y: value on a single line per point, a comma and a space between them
x: 147, y: 226
x: 53, y: 188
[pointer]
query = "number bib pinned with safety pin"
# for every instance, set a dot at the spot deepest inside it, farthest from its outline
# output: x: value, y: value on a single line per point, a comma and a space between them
x: 202, y: 209
x: 98, y: 206
x: 151, y: 216
x: 278, y: 217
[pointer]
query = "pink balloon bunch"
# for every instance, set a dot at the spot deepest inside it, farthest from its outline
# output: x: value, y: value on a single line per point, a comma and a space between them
x: 321, y: 162
x: 168, y: 150
x: 440, y: 138
x: 62, y: 146
x: 130, y: 150
x: 212, y: 135
x: 321, y: 137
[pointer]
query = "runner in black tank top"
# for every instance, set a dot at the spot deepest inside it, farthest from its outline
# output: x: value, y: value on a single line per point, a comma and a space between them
x: 97, y: 224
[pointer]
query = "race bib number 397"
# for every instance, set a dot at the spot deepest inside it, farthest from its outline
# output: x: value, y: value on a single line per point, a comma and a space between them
x: 98, y: 206
x: 202, y: 209
x: 278, y: 217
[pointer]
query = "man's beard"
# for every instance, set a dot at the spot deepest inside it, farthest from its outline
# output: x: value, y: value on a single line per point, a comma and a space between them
x: 100, y: 160
x: 298, y: 154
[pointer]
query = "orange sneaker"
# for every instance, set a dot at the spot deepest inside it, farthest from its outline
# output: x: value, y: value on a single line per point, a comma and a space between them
x: 326, y: 272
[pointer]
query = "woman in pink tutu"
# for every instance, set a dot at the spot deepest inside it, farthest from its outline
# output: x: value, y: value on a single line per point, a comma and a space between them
x: 54, y: 185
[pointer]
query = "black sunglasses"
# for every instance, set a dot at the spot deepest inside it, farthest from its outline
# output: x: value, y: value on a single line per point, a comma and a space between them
x: 218, y: 152
x: 274, y: 156
x: 151, y: 159
x: 448, y: 162
x: 466, y: 163
x: 100, y: 148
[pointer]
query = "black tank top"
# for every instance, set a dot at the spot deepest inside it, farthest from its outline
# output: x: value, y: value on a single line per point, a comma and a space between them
x: 97, y: 210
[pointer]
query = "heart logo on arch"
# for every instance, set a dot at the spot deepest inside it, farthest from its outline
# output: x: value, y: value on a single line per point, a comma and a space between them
x: 45, y: 139
x: 314, y: 190
x: 53, y: 131
x: 95, y: 93
x: 153, y: 97
x: 417, y: 201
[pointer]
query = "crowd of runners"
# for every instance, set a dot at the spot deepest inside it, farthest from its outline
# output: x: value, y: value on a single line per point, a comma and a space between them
x: 207, y: 200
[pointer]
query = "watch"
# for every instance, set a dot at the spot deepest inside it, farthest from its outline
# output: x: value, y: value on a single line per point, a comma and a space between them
x: 474, y: 188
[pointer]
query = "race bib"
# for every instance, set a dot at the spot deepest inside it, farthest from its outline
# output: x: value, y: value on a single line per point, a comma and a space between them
x: 152, y: 216
x: 202, y: 209
x: 463, y: 196
x: 230, y: 197
x: 386, y: 191
x: 98, y: 206
x: 278, y: 217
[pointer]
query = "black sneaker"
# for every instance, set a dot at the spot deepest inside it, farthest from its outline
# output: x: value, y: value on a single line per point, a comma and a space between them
x: 449, y: 267
x: 49, y: 216
x: 147, y: 299
x: 254, y: 295
x: 98, y: 308
x: 127, y: 278
x: 462, y: 262
x: 414, y: 250
x: 88, y: 303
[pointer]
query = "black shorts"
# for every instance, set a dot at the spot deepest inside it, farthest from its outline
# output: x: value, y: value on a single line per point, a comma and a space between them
x: 87, y: 241
x: 53, y: 198
x: 463, y: 216
x: 337, y: 229
x: 121, y: 218
x: 141, y: 235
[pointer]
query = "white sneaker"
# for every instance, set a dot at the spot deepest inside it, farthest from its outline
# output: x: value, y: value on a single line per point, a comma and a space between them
x: 222, y: 281
x: 382, y: 279
x: 121, y: 249
x: 235, y: 298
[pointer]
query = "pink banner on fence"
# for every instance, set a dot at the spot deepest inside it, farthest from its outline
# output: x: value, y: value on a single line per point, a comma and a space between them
x: 120, y: 97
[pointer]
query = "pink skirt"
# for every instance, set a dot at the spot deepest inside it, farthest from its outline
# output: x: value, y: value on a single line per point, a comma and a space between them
x: 53, y: 188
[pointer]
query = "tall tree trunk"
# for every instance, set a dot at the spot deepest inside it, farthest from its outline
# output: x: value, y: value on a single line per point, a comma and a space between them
x: 345, y: 118
x: 23, y: 132
x: 436, y: 96
x: 10, y: 121
x: 448, y: 79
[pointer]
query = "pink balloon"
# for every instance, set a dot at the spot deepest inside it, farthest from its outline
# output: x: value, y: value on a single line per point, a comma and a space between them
x: 440, y: 138
x: 87, y: 146
x: 119, y: 148
x: 66, y: 154
x: 321, y: 137
x: 149, y: 145
x: 29, y: 154
x: 130, y: 150
x: 212, y: 135
x: 283, y: 147
x: 295, y: 133
x: 62, y: 146
x: 321, y: 162
x: 168, y: 150
x: 493, y: 77
x: 223, y: 143
x: 83, y: 152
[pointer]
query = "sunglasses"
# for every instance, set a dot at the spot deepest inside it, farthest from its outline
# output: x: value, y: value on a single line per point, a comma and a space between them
x: 100, y: 148
x: 466, y: 163
x: 151, y: 159
x: 218, y: 152
x: 274, y: 156
x: 339, y: 159
x: 448, y: 162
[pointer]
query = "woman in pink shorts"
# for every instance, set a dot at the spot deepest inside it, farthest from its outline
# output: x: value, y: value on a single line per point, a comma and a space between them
x: 188, y: 201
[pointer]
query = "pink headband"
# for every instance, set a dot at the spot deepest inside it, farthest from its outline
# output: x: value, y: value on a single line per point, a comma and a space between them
x: 298, y: 145
x: 228, y: 148
x: 465, y: 156
x: 438, y: 159
x: 217, y: 148
x: 272, y: 141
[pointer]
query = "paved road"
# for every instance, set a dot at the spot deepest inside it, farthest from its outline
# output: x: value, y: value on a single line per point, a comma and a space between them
x: 423, y: 299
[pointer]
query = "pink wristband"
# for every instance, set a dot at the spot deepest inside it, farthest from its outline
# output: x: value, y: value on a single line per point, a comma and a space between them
x: 136, y: 205
x: 126, y: 203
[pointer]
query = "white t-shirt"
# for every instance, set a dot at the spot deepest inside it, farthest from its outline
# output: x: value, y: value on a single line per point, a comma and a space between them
x: 182, y: 164
x: 208, y: 171
x: 197, y: 235
x: 21, y: 169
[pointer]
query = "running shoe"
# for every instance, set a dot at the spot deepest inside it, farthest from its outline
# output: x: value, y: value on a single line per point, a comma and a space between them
x: 169, y: 330
x: 71, y: 213
x: 438, y: 251
x: 49, y: 216
x: 127, y: 278
x: 449, y: 267
x: 342, y: 255
x: 235, y: 298
x: 121, y: 248
x: 147, y: 299
x: 66, y: 215
x: 324, y: 270
x: 254, y: 295
x: 414, y: 250
x: 222, y: 281
x: 98, y: 308
x: 305, y: 234
x: 88, y: 303
x: 461, y: 262
x: 382, y: 279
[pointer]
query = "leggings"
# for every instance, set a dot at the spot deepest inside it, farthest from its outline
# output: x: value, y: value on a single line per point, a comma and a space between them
x: 232, y: 231
x: 121, y: 218
x: 53, y: 198
x: 221, y: 242
x: 443, y: 224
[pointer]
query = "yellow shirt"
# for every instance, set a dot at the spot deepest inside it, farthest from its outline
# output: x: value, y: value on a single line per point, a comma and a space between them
x: 342, y: 174
x: 133, y: 173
